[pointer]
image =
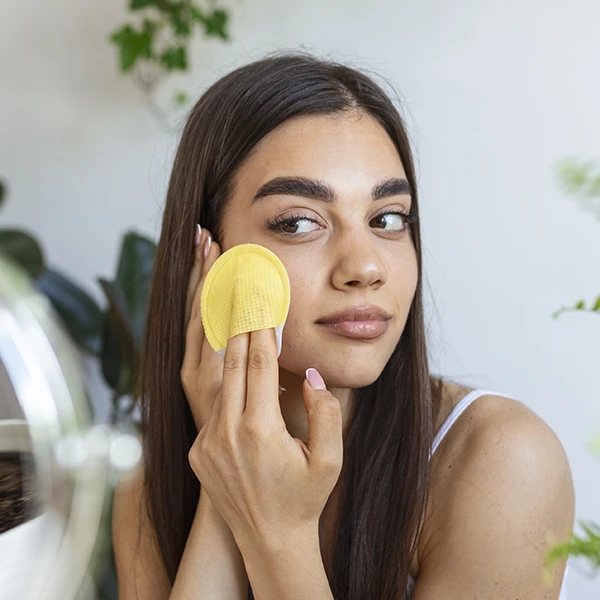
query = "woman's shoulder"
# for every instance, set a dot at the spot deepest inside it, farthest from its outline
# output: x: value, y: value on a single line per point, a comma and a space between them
x: 487, y: 415
x: 493, y: 431
x: 499, y: 455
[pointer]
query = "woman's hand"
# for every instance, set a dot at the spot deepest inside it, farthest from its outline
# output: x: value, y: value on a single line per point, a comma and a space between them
x: 202, y: 367
x: 265, y: 484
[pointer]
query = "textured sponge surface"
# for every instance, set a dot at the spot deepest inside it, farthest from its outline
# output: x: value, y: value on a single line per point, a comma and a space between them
x: 246, y: 289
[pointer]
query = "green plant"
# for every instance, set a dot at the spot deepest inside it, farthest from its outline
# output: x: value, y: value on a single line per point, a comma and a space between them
x: 114, y: 334
x: 158, y: 44
x: 581, y: 180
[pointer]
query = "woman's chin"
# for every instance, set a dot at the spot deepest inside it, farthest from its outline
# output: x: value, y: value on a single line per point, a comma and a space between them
x: 354, y: 382
x: 342, y: 376
x: 339, y: 369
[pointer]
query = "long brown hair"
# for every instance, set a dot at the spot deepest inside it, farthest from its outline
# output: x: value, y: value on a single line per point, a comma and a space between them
x: 385, y: 477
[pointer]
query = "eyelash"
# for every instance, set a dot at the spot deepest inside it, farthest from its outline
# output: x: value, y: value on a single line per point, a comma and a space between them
x: 277, y: 223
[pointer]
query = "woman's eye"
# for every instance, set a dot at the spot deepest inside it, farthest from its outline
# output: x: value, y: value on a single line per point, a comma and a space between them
x: 292, y: 224
x: 396, y: 218
x: 288, y: 225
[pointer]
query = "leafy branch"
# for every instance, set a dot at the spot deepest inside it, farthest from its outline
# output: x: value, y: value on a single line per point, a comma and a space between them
x: 580, y: 306
x: 158, y: 44
x: 581, y: 180
x: 587, y: 546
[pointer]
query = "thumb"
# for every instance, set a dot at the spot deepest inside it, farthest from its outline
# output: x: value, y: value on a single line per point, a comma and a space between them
x: 324, y: 421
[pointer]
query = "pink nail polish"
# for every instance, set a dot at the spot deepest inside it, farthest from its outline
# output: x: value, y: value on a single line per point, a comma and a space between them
x: 197, y: 235
x: 207, y: 246
x: 315, y: 380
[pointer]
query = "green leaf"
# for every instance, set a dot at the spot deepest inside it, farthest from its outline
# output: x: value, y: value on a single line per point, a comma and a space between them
x: 137, y: 4
x: 181, y: 18
x: 597, y: 305
x: 79, y: 311
x: 120, y: 318
x: 182, y: 28
x: 174, y: 59
x: 573, y: 174
x: 24, y: 249
x: 181, y: 98
x: 133, y: 45
x: 197, y: 14
x: 114, y: 368
x: 2, y: 192
x: 216, y: 23
x: 580, y: 304
x: 594, y: 445
x: 136, y: 263
x: 120, y: 357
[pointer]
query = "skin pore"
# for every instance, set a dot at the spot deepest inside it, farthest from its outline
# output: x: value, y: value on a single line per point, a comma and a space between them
x: 349, y: 251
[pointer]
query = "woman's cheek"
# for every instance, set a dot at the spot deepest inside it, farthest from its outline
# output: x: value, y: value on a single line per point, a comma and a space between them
x: 292, y: 349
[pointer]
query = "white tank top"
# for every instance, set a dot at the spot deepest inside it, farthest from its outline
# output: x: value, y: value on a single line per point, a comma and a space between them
x: 439, y: 436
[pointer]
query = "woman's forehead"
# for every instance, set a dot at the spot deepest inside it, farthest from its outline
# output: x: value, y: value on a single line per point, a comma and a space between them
x: 325, y: 148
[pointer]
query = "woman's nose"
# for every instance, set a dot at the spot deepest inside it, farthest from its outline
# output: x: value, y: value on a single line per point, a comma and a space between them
x: 358, y: 263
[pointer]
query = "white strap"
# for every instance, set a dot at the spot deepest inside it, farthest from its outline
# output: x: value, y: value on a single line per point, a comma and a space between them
x: 458, y: 410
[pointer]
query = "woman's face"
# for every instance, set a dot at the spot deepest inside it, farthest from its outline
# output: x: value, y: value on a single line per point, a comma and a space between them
x: 339, y: 253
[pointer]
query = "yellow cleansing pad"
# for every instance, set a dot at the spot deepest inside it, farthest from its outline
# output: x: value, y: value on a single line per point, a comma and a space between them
x: 246, y: 289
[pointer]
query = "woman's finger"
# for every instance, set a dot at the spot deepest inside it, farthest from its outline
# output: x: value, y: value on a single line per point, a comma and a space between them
x: 196, y: 272
x: 262, y: 399
x: 194, y: 338
x: 209, y: 373
x: 230, y: 403
x: 202, y: 367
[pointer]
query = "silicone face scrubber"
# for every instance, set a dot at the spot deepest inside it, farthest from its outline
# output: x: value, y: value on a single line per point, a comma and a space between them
x: 246, y: 289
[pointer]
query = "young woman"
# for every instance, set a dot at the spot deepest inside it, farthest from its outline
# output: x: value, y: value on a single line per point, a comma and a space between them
x: 350, y: 484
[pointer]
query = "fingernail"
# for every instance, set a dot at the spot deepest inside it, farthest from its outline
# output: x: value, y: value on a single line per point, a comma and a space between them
x: 315, y: 380
x: 197, y: 235
x: 282, y: 388
x: 207, y: 246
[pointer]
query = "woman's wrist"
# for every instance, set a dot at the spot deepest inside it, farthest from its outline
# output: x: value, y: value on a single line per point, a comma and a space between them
x: 277, y: 544
x: 207, y: 510
x: 211, y: 561
x: 209, y: 516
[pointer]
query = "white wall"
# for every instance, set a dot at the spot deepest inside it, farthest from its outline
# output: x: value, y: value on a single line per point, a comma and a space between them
x: 496, y: 93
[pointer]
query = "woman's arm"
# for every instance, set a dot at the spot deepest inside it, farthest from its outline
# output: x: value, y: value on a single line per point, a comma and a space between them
x: 211, y: 567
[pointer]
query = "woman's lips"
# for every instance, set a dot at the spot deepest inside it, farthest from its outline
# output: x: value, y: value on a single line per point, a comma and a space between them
x: 363, y: 330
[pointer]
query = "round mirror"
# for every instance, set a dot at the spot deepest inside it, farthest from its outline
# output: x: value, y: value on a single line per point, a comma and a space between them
x: 56, y: 467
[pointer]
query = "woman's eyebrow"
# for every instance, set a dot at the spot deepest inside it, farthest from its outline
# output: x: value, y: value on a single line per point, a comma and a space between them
x: 317, y: 190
